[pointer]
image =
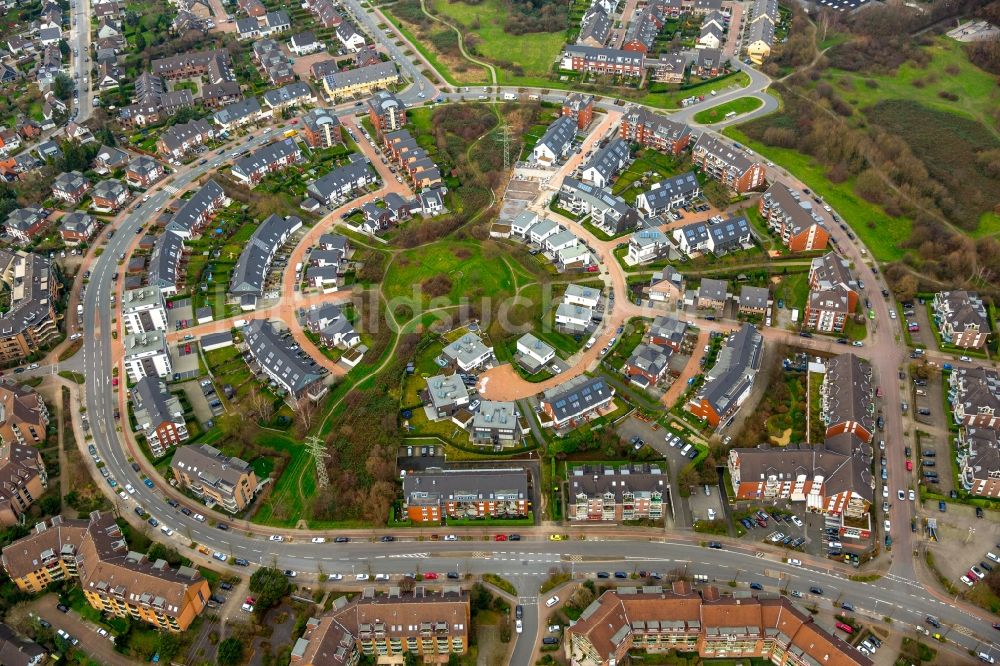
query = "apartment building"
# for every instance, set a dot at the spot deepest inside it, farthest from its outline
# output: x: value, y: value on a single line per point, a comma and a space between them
x: 668, y: 194
x: 657, y: 620
x: 321, y: 129
x: 163, y: 270
x: 497, y: 424
x: 727, y: 165
x: 575, y: 401
x: 215, y: 478
x: 466, y: 493
x: 599, y: 60
x: 76, y: 227
x: 467, y: 353
x: 29, y: 324
x: 728, y: 384
x: 961, y: 318
x: 249, y: 276
x: 159, y: 415
x: 832, y: 478
x: 146, y: 355
x: 144, y: 310
x: 717, y: 236
x: 113, y: 578
x: 279, y: 358
x: 793, y: 218
x: 848, y: 395
x: 974, y: 394
x: 612, y: 494
x: 143, y: 171
x: 16, y: 650
x: 272, y: 158
x: 195, y: 213
x: 833, y: 293
x: 180, y: 139
x: 342, y: 181
x: 647, y: 245
x: 431, y: 625
x: 608, y: 212
x: 978, y: 457
x: 651, y: 130
x: 554, y: 145
x: 580, y: 108
x: 360, y: 81
x: 70, y: 186
x: 387, y: 112
x: 23, y: 478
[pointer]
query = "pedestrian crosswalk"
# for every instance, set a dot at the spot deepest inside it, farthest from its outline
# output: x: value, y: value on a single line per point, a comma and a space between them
x: 409, y: 556
x: 170, y: 189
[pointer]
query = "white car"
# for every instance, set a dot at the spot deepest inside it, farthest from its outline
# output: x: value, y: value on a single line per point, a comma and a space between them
x: 554, y: 628
x: 200, y: 518
x: 130, y: 489
x: 960, y: 358
x: 450, y: 537
x: 886, y: 525
x: 965, y: 579
x: 382, y: 577
x: 318, y: 540
x: 892, y: 314
x: 166, y: 530
x: 121, y: 493
x: 276, y: 537
x: 336, y: 577
x: 519, y: 626
x: 796, y: 521
x: 795, y: 563
x: 885, y: 491
x: 552, y: 601
x: 362, y: 577
x: 34, y: 366
x: 913, y: 495
x: 858, y: 343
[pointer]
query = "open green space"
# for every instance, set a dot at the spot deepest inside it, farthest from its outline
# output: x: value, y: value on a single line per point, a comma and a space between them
x: 533, y: 52
x: 649, y: 166
x: 444, y: 272
x: 948, y: 71
x: 737, y: 106
x: 880, y: 232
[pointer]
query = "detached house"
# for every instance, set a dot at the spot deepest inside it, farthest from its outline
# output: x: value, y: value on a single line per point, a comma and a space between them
x: 24, y: 224
x: 606, y: 163
x: 143, y: 171
x: 556, y: 142
x: 108, y: 196
x: 70, y: 187
x: 76, y: 227
x: 573, y: 402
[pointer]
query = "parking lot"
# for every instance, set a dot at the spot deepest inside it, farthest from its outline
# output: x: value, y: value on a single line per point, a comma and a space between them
x: 963, y: 539
x: 180, y: 314
x: 915, y: 313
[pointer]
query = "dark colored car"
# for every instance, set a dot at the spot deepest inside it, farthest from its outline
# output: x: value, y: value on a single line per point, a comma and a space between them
x: 223, y: 526
x: 816, y: 590
x: 135, y: 466
x: 63, y: 607
x: 847, y: 606
x: 621, y: 574
x: 519, y: 611
x: 603, y: 574
x: 934, y: 622
x: 226, y: 586
x: 174, y: 503
x: 138, y: 511
x: 979, y: 512
x: 186, y: 511
x: 550, y: 640
x: 714, y: 544
x: 341, y: 540
x: 756, y: 586
x: 241, y: 562
x: 514, y: 537
x: 387, y: 539
x: 453, y: 575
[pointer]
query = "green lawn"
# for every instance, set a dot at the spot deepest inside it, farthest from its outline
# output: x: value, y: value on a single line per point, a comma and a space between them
x: 883, y: 234
x: 470, y: 273
x: 949, y: 71
x: 738, y: 106
x: 535, y: 52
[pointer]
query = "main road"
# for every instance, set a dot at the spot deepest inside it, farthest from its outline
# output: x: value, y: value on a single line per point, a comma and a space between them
x: 79, y: 41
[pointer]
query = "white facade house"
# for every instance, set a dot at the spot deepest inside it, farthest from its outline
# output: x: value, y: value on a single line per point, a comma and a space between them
x: 521, y: 224
x: 146, y: 356
x: 575, y: 255
x: 532, y: 347
x: 541, y: 231
x: 585, y: 296
x: 647, y: 245
x: 561, y: 241
x: 578, y: 316
x: 144, y: 310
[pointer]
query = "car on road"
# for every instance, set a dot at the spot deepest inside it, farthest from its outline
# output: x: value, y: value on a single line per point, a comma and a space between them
x: 318, y: 540
x: 621, y: 575
x: 153, y: 522
x: 450, y: 537
x: 149, y: 483
x: 795, y: 563
x: 430, y: 575
x: 913, y: 495
x: 499, y: 537
x: 519, y: 626
x: 603, y: 574
x: 557, y: 537
x: 552, y: 601
x: 387, y: 539
x: 130, y: 489
x: 756, y: 586
x: 342, y: 539
x: 816, y: 590
x: 290, y: 573
x: 219, y: 556
x: 239, y: 561
x: 276, y: 537
x: 63, y: 608
x: 222, y: 526
x: 714, y: 544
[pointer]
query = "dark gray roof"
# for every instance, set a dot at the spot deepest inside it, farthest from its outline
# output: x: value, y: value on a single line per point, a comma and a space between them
x: 150, y: 396
x: 288, y: 94
x: 33, y: 307
x: 251, y: 269
x: 559, y: 135
x: 754, y: 297
x: 848, y: 394
x: 349, y: 175
x: 262, y: 158
x: 274, y: 352
x: 610, y: 159
x: 436, y: 486
x: 661, y: 194
x: 614, y: 56
x: 189, y: 217
x: 668, y: 328
x: 361, y: 75
x: 596, y: 480
x: 734, y: 370
x: 167, y: 251
x: 577, y: 396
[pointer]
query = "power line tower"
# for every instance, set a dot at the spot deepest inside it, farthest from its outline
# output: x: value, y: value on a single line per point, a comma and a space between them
x: 317, y: 449
x: 505, y: 139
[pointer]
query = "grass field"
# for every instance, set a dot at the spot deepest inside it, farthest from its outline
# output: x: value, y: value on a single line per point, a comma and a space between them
x: 472, y: 275
x: 535, y: 52
x: 949, y: 71
x: 738, y: 106
x: 882, y: 233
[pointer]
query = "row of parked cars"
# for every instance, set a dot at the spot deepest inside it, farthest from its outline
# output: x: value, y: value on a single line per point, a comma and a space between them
x: 977, y: 572
x: 686, y: 449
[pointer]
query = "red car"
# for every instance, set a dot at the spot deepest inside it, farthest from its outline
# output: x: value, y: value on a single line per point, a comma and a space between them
x: 187, y: 349
x: 845, y: 627
x: 114, y: 381
x: 430, y: 575
x: 909, y: 465
x: 500, y: 537
x: 251, y: 601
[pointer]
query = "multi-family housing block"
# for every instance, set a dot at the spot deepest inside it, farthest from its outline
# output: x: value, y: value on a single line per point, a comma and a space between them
x: 726, y: 164
x: 29, y: 323
x: 576, y: 401
x: 280, y: 359
x: 159, y: 415
x: 792, y: 217
x: 215, y: 478
x: 615, y: 493
x: 433, y: 495
x: 729, y: 382
x: 961, y: 318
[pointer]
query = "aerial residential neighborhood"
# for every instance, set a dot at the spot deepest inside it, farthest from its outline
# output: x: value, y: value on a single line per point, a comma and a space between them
x: 499, y: 332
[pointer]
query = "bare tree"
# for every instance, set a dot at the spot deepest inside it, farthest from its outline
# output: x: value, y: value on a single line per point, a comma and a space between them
x: 305, y: 414
x: 263, y: 406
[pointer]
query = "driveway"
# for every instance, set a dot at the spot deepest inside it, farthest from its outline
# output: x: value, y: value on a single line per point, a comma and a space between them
x: 96, y: 646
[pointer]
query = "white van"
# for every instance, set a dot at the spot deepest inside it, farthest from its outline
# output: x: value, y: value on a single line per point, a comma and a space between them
x: 381, y: 576
x: 686, y: 450
x: 993, y: 557
x: 590, y: 343
x: 510, y: 97
x: 835, y: 545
